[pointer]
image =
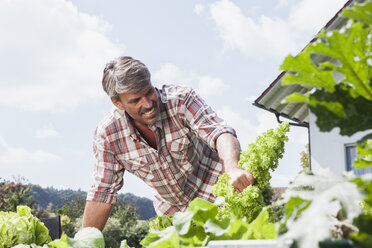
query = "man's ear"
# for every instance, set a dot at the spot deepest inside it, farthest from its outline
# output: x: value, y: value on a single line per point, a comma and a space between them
x: 117, y: 103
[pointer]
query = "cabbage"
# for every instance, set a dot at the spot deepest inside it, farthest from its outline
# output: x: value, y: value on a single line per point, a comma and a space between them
x: 22, y: 228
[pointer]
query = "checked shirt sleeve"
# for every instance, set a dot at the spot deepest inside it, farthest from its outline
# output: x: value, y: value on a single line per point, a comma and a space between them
x: 108, y: 173
x: 203, y: 120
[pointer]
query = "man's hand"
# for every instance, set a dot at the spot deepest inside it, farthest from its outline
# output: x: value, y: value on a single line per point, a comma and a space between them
x: 240, y: 179
x: 228, y: 148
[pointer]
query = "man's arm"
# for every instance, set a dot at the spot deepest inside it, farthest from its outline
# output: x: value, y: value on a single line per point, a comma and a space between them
x: 228, y: 148
x: 96, y: 214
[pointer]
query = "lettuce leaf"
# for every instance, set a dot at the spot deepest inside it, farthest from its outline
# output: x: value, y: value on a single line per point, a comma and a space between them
x: 22, y: 228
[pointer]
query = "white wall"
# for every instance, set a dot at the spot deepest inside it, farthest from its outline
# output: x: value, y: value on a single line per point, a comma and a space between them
x: 328, y: 149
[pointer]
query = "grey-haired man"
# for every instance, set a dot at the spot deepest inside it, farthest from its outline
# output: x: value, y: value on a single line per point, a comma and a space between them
x: 168, y: 137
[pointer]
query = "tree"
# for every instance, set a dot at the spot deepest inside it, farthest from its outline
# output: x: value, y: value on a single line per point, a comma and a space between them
x: 15, y: 193
x: 70, y: 212
x: 123, y: 224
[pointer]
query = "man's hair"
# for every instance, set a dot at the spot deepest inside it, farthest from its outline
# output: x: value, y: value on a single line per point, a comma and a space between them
x: 125, y: 74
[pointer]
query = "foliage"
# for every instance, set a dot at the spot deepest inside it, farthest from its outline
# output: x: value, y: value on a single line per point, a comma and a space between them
x: 305, y: 163
x: 338, y: 69
x: 22, y: 227
x: 259, y: 159
x: 161, y: 222
x: 312, y: 204
x: 363, y: 238
x: 88, y: 237
x: 364, y: 153
x: 232, y: 216
x: 341, y: 83
x: 70, y: 212
x: 124, y: 225
x: 58, y: 197
x: 200, y: 224
x: 145, y: 206
x: 14, y: 194
x: 267, y: 194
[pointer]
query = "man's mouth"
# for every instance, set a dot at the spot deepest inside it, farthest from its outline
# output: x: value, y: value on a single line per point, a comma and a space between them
x: 149, y: 112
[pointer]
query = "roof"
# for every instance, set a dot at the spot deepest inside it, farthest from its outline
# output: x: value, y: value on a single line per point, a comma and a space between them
x: 272, y: 98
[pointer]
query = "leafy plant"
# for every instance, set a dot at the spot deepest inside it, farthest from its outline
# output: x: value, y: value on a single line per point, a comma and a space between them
x: 200, y: 224
x: 337, y: 67
x: 259, y: 159
x: 341, y: 94
x: 88, y: 237
x: 233, y: 216
x: 312, y: 204
x: 161, y: 222
x: 22, y: 227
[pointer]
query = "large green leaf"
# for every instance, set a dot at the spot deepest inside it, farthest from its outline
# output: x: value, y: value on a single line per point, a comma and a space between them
x: 357, y: 117
x: 167, y: 238
x: 182, y: 222
x: 261, y: 228
x: 304, y: 71
x: 360, y: 12
x: 338, y: 66
x: 202, y: 210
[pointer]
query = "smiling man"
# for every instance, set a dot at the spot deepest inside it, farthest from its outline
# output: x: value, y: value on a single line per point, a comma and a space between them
x: 169, y: 137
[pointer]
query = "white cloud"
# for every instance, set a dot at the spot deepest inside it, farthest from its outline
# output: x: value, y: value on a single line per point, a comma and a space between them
x: 46, y: 132
x: 312, y: 15
x: 205, y: 85
x: 52, y: 57
x: 266, y: 121
x: 199, y: 8
x: 170, y: 74
x: 266, y: 37
x: 20, y: 156
x: 269, y: 38
x: 209, y: 85
x: 244, y: 128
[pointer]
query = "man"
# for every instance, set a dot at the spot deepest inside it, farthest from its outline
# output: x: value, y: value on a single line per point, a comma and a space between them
x: 169, y: 137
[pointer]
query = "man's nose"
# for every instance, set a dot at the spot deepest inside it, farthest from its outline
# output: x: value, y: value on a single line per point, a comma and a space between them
x: 147, y: 102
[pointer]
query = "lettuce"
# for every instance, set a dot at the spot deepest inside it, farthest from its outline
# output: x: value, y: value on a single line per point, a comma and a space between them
x: 22, y: 228
x: 88, y: 237
x: 260, y: 159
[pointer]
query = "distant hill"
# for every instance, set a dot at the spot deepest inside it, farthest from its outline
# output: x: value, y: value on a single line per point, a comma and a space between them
x: 57, y: 197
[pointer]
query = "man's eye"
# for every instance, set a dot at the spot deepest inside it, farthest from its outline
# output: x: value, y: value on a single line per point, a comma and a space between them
x: 134, y: 100
x: 150, y: 91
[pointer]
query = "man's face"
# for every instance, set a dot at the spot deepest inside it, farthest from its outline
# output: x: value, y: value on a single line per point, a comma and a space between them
x: 143, y: 106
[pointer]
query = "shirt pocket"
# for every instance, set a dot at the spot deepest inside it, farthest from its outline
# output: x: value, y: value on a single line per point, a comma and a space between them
x: 180, y: 150
x: 140, y: 168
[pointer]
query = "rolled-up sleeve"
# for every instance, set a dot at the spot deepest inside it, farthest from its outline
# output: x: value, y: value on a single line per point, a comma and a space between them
x: 108, y: 173
x: 202, y: 120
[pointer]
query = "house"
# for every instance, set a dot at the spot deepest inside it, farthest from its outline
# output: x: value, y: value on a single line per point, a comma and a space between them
x: 326, y: 149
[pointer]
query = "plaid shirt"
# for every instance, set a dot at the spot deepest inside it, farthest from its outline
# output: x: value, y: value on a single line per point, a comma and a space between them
x: 185, y: 165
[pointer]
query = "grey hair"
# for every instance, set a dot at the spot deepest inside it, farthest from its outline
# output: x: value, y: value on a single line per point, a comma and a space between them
x: 125, y: 74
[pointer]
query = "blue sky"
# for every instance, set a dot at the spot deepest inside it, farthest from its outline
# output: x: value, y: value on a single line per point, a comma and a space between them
x: 52, y: 54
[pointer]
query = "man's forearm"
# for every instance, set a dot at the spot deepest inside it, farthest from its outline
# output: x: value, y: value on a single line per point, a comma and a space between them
x: 228, y: 149
x: 96, y: 214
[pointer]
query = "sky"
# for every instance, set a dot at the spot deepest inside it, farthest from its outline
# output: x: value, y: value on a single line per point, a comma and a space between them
x: 52, y: 55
